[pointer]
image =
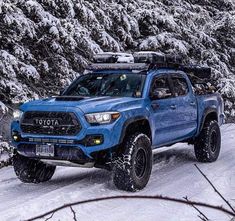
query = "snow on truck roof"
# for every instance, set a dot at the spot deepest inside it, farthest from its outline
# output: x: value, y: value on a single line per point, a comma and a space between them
x: 145, y: 61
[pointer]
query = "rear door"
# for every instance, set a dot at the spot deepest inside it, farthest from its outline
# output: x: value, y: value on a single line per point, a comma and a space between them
x: 185, y: 119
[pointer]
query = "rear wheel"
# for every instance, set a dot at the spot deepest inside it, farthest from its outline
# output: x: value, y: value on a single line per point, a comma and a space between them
x: 207, y: 144
x: 32, y: 171
x: 133, y: 167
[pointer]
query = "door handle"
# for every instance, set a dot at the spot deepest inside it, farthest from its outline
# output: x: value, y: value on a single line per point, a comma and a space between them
x: 173, y: 107
x: 192, y: 103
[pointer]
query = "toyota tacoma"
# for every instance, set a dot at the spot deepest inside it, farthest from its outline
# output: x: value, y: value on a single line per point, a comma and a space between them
x: 114, y: 115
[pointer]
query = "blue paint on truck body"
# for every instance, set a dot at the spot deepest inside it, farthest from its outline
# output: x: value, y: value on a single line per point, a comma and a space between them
x: 171, y: 120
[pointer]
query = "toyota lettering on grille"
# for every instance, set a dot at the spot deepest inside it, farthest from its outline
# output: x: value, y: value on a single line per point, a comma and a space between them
x: 47, y: 122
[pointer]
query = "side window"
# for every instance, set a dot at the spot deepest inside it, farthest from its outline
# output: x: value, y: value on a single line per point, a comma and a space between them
x: 160, y: 89
x: 180, y: 86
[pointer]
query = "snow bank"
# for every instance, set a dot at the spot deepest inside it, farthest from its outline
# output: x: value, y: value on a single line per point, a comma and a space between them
x: 173, y: 174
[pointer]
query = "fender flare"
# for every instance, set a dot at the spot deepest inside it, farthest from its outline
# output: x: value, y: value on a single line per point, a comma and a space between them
x: 127, y: 123
x: 205, y: 114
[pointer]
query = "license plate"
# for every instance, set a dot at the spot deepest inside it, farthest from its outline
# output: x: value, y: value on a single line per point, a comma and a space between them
x: 45, y: 150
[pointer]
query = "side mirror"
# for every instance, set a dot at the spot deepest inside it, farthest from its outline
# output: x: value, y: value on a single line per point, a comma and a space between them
x: 155, y: 95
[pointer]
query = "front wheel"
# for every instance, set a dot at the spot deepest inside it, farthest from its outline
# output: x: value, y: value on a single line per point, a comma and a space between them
x: 32, y: 171
x: 133, y: 167
x: 207, y: 144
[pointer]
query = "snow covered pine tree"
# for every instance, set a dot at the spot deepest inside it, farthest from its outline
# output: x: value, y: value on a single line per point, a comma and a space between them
x: 45, y: 44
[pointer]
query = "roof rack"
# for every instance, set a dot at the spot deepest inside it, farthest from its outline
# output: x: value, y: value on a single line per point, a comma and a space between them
x: 146, y: 60
x: 142, y: 61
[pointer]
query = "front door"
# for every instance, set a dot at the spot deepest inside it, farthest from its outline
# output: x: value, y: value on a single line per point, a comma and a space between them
x: 163, y: 108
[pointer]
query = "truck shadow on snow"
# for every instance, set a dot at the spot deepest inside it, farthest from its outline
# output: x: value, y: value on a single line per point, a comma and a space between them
x: 166, y: 160
x: 176, y: 156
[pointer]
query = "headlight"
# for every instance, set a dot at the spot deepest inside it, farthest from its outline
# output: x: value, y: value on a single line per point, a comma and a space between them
x: 102, y: 118
x: 17, y: 114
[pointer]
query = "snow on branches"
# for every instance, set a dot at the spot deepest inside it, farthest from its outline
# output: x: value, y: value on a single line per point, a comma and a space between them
x: 45, y: 44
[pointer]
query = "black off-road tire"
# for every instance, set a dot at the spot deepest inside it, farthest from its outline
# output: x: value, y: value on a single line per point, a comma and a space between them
x: 132, y: 169
x: 207, y: 144
x: 32, y: 171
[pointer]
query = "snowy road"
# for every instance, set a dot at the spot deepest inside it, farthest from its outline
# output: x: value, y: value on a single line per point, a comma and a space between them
x: 173, y: 175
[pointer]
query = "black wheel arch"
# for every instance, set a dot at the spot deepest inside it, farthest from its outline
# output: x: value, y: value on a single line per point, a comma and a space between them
x: 209, y: 114
x: 136, y: 124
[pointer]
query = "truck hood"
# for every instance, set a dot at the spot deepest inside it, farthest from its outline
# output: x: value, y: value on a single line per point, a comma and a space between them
x: 85, y: 104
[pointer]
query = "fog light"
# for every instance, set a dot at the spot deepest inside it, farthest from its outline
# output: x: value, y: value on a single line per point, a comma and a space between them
x: 97, y: 141
x: 16, y: 136
x: 93, y: 140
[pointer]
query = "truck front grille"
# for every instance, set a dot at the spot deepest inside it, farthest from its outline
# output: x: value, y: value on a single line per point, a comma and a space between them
x: 50, y: 123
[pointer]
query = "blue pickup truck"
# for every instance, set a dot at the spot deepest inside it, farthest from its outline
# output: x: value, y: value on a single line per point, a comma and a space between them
x: 114, y: 115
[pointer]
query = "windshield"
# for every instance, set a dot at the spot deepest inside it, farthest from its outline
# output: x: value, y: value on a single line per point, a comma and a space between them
x: 119, y: 85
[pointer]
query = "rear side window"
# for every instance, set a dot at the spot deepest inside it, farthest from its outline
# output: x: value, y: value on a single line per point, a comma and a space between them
x: 180, y: 86
x: 160, y: 88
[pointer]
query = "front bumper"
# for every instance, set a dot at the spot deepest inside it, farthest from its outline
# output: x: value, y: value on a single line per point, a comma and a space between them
x: 72, y: 154
x: 71, y: 149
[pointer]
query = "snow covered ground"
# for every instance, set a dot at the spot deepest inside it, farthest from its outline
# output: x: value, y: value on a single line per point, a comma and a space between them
x: 173, y: 175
